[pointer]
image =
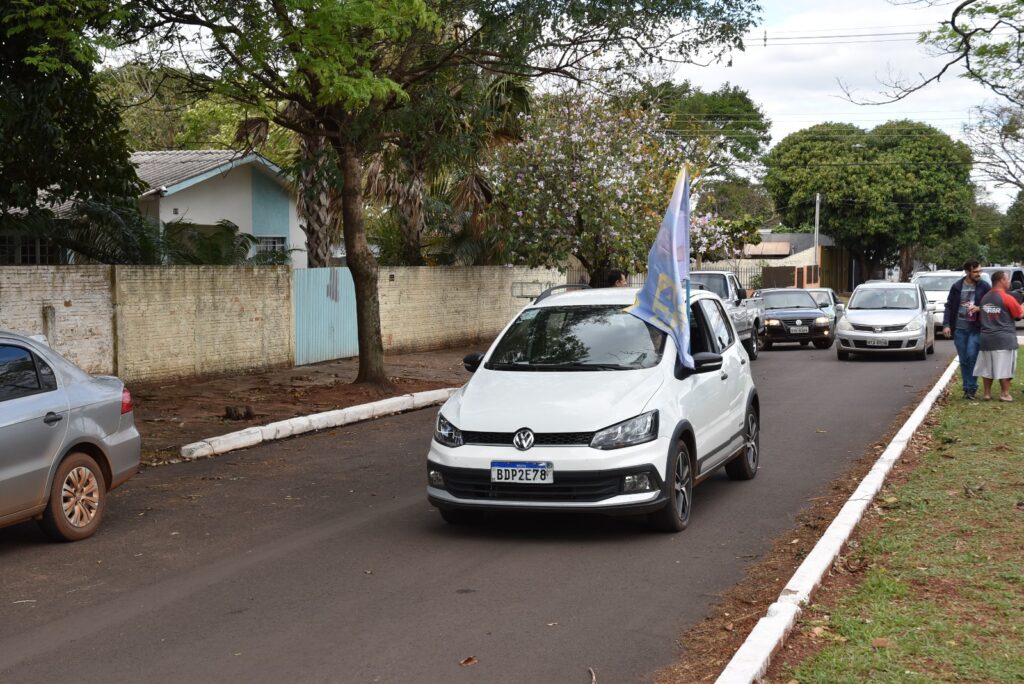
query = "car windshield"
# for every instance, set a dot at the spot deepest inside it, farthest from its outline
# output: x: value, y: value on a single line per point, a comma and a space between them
x: 574, y: 338
x: 712, y: 281
x: 794, y: 299
x: 821, y: 298
x: 937, y: 282
x: 884, y: 298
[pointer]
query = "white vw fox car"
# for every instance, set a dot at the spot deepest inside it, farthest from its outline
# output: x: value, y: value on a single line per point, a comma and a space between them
x: 581, y: 406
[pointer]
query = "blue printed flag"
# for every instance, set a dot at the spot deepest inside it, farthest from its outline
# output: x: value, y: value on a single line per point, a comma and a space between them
x: 662, y: 301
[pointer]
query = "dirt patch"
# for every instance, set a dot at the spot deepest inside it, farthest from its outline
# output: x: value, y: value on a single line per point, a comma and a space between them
x: 708, y: 646
x: 170, y: 414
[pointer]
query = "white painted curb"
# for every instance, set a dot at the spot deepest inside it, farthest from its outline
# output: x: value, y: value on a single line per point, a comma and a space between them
x: 251, y: 436
x: 751, y: 661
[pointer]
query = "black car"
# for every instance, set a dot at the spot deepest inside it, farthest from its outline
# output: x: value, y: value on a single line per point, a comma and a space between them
x: 792, y: 315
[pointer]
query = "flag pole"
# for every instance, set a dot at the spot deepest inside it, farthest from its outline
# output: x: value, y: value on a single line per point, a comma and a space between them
x: 686, y: 170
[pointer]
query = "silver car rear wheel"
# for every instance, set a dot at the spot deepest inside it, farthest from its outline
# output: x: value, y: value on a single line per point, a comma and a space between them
x: 80, y: 497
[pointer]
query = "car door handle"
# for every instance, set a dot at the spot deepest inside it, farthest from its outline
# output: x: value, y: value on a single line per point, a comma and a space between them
x: 724, y: 375
x: 743, y: 362
x: 52, y: 418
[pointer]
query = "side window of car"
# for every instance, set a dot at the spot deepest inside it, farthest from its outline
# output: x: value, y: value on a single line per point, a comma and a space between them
x: 47, y: 378
x: 18, y: 377
x: 718, y: 324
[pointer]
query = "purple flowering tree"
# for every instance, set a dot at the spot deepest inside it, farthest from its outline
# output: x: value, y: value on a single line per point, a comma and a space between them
x: 590, y: 179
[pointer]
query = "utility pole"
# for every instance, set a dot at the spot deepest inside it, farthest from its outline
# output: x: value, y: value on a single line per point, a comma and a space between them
x: 817, y: 212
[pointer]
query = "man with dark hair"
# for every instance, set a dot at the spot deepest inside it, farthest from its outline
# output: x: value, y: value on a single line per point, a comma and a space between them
x: 617, y: 278
x: 960, y: 321
x: 997, y: 358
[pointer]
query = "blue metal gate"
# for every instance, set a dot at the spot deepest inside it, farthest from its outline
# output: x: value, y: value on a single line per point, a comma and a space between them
x: 325, y: 314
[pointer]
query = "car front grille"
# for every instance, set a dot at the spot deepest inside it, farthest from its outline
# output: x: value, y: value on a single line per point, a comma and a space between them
x: 539, y: 438
x: 475, y: 484
x: 881, y: 328
x: 893, y: 344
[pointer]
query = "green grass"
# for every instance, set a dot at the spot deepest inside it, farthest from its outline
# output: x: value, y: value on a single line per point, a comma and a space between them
x: 943, y: 582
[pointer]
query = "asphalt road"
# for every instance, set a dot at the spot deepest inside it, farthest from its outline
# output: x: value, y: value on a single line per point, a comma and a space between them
x: 318, y: 559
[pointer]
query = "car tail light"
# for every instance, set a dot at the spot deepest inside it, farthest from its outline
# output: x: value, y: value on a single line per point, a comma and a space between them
x: 126, y: 401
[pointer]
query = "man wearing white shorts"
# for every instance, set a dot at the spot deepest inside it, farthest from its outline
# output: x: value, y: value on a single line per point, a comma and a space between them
x: 997, y: 355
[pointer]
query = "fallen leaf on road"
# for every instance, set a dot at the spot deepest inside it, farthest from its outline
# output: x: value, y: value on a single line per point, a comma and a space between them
x: 818, y: 631
x: 367, y: 572
x: 728, y: 627
x: 881, y: 642
x: 25, y: 601
x: 468, y: 662
x: 793, y: 681
x: 593, y: 675
x: 552, y: 624
x: 794, y: 541
x: 890, y: 499
x: 821, y: 431
x: 174, y: 534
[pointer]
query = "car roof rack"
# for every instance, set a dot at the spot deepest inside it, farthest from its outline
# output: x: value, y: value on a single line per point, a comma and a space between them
x: 551, y: 290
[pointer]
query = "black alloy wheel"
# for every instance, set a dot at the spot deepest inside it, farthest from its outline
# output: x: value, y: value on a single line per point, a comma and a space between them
x: 744, y: 466
x: 675, y: 515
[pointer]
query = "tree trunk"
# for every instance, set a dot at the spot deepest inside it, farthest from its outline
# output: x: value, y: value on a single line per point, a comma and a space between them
x: 364, y: 269
x: 317, y: 202
x: 907, y: 255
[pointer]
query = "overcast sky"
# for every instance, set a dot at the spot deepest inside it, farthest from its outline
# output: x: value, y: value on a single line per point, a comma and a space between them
x: 812, y: 44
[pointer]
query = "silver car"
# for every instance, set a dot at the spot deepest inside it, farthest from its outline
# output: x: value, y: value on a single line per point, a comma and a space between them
x: 884, y: 317
x: 936, y: 286
x: 66, y: 439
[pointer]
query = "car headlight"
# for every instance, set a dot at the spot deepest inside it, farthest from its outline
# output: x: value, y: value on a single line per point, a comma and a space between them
x: 446, y: 433
x: 913, y: 326
x: 643, y: 428
x: 773, y: 322
x: 821, y: 320
x: 844, y: 325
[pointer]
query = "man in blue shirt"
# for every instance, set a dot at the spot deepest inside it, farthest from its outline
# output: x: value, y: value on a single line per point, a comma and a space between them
x: 960, y: 321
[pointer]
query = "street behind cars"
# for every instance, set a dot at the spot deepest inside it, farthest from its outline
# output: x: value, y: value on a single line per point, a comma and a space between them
x: 886, y: 318
x: 66, y: 439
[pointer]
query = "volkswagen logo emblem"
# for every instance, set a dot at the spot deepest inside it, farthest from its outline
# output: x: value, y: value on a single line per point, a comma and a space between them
x: 799, y: 322
x: 878, y: 329
x: 523, y: 439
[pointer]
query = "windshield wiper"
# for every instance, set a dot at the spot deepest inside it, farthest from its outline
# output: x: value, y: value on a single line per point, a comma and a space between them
x: 589, y: 366
x: 510, y: 366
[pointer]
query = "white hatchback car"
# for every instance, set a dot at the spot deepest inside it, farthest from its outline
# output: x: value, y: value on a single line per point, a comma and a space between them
x: 580, y: 406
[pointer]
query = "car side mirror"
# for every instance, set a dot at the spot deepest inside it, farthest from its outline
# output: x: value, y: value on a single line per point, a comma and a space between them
x: 741, y: 294
x: 840, y: 308
x: 703, y: 362
x: 472, y: 361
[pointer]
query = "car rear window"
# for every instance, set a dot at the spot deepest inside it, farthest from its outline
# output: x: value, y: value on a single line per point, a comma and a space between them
x: 943, y: 282
x: 712, y: 281
x: 578, y: 338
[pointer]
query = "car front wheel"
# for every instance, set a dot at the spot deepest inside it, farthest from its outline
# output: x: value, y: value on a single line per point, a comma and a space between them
x: 675, y: 515
x: 842, y: 355
x: 78, y: 497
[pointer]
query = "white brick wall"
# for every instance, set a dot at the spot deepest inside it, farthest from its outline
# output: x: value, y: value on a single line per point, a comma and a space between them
x: 82, y: 310
x: 178, y: 321
x: 433, y: 307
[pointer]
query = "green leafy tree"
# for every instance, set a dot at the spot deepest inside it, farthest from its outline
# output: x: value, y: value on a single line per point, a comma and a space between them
x: 885, y: 192
x: 151, y: 104
x: 736, y: 199
x: 1010, y: 237
x: 349, y: 63
x: 590, y: 179
x: 59, y: 140
x: 725, y: 131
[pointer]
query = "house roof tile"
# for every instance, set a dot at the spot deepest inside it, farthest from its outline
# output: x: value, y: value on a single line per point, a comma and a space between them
x: 166, y: 168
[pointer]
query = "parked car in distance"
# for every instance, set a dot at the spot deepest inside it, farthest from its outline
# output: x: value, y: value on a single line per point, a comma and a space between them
x: 743, y: 307
x: 792, y: 315
x: 884, y: 317
x: 66, y: 439
x: 1016, y: 274
x: 936, y: 285
x: 581, y: 406
x: 829, y: 302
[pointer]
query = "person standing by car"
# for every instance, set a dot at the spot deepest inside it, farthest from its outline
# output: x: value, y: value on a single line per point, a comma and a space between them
x: 960, y: 321
x: 617, y: 278
x: 997, y: 358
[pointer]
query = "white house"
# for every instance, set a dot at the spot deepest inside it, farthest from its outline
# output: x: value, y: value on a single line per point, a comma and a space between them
x: 203, y: 187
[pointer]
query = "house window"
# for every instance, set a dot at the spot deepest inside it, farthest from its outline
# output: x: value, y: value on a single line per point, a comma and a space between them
x: 26, y: 251
x: 271, y: 244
